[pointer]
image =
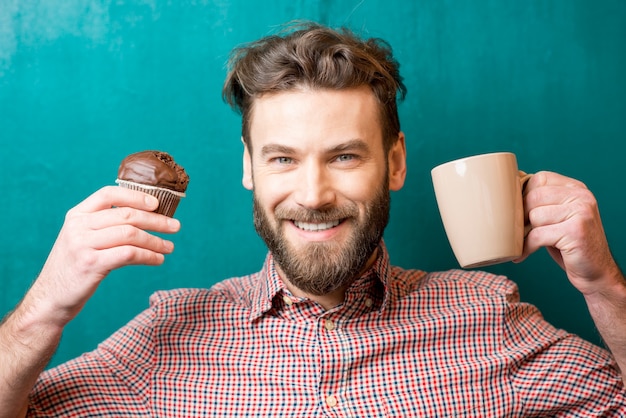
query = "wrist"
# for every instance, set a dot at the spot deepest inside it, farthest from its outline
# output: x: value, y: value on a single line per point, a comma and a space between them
x: 34, y: 318
x: 612, y: 290
x: 30, y: 327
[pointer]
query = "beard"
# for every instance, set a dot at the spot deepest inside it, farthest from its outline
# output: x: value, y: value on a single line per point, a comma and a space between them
x: 319, y: 268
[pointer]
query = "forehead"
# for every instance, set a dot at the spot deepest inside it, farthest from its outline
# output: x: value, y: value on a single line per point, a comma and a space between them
x: 304, y: 117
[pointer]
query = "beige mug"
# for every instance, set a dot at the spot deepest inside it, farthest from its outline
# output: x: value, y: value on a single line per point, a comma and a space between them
x: 481, y: 206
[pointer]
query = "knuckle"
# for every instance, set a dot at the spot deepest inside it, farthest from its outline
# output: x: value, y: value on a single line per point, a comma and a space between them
x: 126, y: 254
x: 71, y: 214
x: 584, y: 208
x: 107, y: 192
x: 87, y: 260
x: 576, y: 184
x: 129, y: 233
x: 534, y: 196
x: 126, y: 214
x: 540, y: 178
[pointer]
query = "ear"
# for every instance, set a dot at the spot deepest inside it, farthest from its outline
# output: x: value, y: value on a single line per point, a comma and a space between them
x: 397, y: 163
x: 247, y: 168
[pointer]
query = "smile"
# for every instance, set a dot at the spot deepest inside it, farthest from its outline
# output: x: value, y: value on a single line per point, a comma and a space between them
x: 306, y: 226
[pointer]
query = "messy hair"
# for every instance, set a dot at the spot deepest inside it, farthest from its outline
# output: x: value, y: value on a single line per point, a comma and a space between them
x: 309, y: 55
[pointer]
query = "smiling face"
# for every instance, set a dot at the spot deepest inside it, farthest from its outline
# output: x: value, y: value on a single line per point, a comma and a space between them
x: 321, y: 183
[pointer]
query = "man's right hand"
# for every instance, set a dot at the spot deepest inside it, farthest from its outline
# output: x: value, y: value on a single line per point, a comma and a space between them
x: 104, y: 232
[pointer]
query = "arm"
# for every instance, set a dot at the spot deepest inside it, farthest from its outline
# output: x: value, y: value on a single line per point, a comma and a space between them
x: 103, y: 233
x: 565, y: 218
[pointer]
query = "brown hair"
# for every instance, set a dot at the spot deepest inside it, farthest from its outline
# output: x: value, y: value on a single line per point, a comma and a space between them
x: 311, y: 55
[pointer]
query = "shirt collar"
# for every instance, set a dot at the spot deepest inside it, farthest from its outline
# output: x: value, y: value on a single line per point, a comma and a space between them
x: 269, y: 283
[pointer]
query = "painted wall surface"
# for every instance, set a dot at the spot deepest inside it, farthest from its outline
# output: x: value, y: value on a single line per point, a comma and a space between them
x: 83, y: 83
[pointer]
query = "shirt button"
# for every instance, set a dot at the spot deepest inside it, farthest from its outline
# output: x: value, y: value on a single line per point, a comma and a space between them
x: 369, y: 302
x: 329, y: 325
x: 287, y: 300
x: 331, y: 401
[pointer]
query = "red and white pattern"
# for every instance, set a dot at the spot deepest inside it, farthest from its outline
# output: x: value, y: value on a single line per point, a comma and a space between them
x: 405, y: 343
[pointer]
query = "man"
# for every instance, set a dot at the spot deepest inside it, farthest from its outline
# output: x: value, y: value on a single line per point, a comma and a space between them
x: 328, y: 326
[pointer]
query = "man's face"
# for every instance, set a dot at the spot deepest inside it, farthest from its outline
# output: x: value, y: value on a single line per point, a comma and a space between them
x: 321, y: 183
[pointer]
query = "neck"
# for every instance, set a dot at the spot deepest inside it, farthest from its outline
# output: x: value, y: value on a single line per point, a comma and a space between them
x: 327, y: 300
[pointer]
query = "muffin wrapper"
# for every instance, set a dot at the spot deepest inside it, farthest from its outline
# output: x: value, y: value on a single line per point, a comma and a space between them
x: 168, y: 199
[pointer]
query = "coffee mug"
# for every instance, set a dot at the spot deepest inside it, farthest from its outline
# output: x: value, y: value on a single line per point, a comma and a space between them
x: 481, y: 206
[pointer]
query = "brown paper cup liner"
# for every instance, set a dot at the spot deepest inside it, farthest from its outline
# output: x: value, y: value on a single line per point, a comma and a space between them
x: 168, y: 199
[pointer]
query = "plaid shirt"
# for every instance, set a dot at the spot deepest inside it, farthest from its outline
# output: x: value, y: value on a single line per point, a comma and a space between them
x: 404, y: 343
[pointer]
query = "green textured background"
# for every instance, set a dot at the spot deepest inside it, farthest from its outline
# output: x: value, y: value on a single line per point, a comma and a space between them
x: 83, y: 83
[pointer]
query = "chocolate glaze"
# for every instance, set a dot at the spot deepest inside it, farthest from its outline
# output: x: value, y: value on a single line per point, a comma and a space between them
x: 154, y: 168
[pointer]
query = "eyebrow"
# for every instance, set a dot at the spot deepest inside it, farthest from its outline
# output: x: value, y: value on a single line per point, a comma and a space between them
x: 353, y: 144
x: 275, y: 149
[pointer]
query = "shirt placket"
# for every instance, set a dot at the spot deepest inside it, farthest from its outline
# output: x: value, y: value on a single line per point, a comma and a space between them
x: 335, y: 366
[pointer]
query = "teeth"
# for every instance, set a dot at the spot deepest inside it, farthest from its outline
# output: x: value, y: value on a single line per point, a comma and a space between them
x: 316, y: 227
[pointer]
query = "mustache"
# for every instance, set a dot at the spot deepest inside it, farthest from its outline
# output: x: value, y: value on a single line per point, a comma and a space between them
x: 316, y: 215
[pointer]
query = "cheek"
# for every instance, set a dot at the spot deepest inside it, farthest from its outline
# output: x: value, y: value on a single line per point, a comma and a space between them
x: 270, y: 193
x: 362, y: 188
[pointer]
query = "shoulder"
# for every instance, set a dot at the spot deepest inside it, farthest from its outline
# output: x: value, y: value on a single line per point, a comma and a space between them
x: 183, y: 301
x: 474, y: 279
x: 231, y: 287
x: 459, y: 281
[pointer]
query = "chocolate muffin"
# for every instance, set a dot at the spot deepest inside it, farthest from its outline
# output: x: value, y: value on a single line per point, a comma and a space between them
x: 156, y: 173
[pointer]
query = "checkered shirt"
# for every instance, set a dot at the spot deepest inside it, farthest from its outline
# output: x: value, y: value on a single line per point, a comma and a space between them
x: 404, y: 343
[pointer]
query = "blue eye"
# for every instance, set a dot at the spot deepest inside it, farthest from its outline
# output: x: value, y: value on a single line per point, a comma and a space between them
x: 283, y: 160
x: 345, y: 157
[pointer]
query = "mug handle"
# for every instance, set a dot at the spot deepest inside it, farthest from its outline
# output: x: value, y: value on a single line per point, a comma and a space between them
x: 523, y: 179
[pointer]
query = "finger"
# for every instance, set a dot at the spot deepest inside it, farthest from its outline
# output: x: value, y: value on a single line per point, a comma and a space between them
x: 551, y: 205
x: 129, y: 216
x: 556, y: 196
x: 551, y: 214
x: 110, y: 196
x: 537, y: 237
x: 562, y: 198
x: 562, y: 227
x: 549, y: 178
x: 128, y: 235
x: 546, y: 187
x: 114, y: 258
x: 547, y: 224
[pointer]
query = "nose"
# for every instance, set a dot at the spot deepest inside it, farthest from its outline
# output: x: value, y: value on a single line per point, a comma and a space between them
x: 314, y: 189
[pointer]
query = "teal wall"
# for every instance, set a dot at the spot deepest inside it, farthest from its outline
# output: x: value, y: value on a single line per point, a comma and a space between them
x: 83, y: 83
